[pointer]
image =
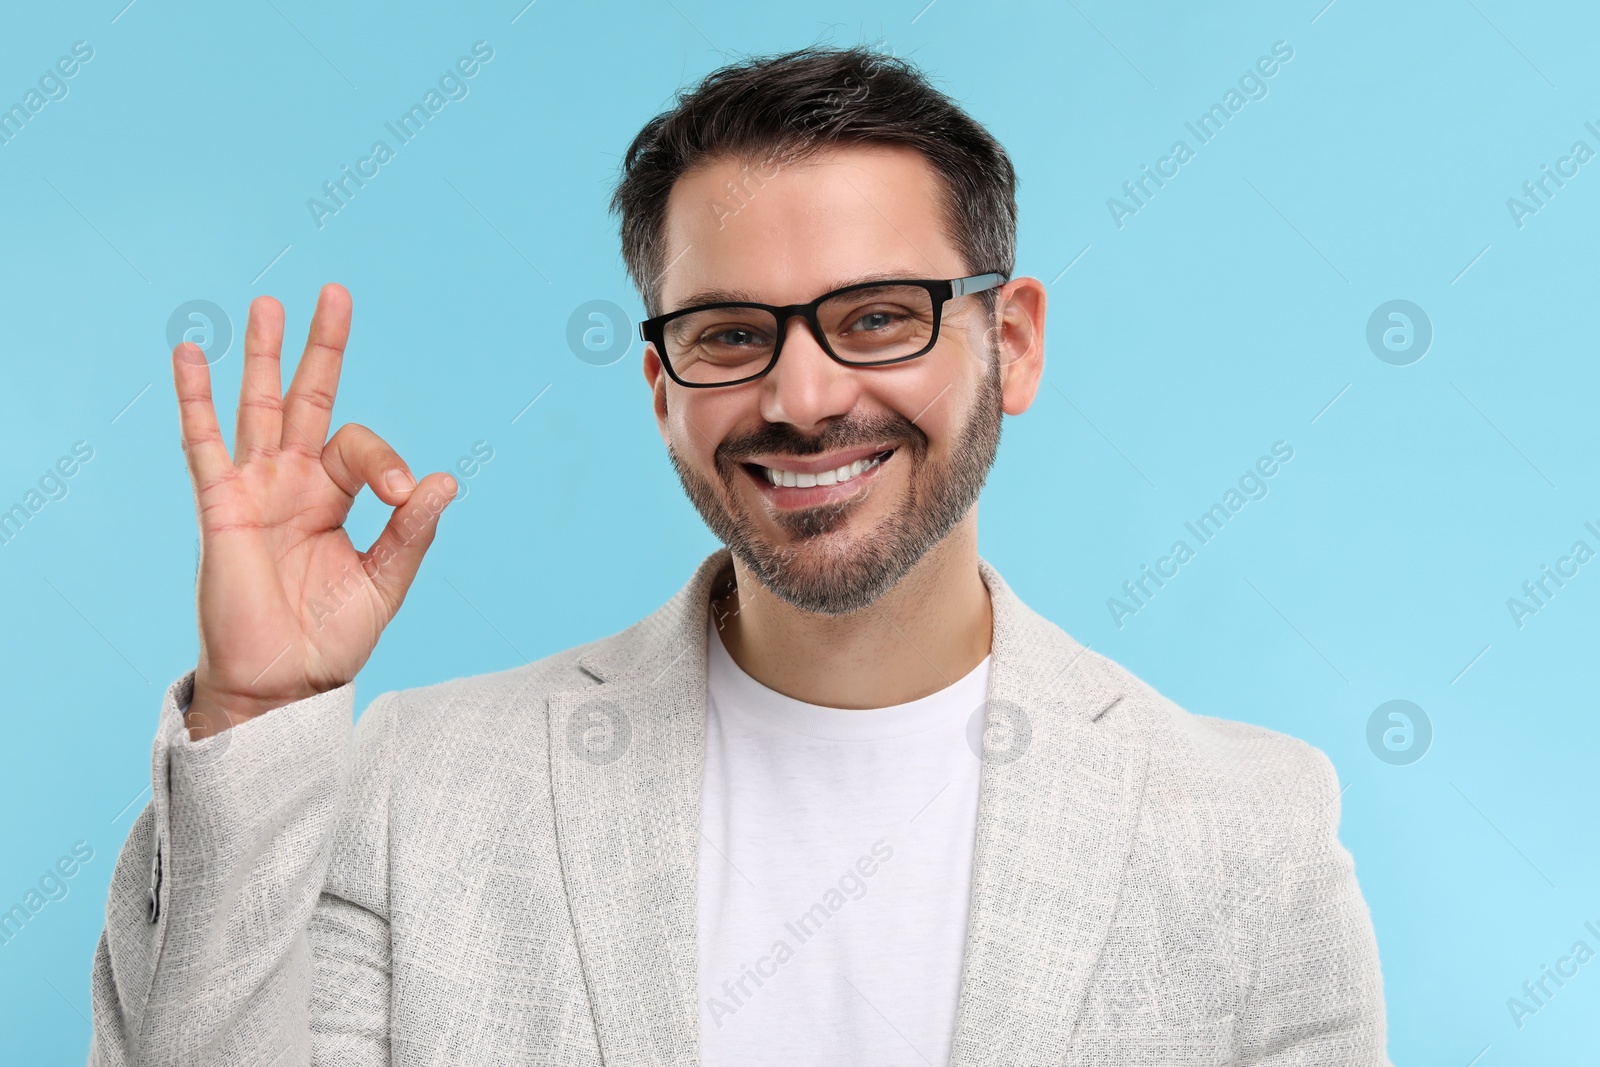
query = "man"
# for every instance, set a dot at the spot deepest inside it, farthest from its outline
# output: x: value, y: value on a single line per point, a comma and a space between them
x: 843, y: 799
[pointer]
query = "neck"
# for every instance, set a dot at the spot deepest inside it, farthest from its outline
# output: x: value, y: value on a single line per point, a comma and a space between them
x: 930, y: 629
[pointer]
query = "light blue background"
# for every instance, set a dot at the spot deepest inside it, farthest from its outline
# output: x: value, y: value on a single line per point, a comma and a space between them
x: 1222, y: 317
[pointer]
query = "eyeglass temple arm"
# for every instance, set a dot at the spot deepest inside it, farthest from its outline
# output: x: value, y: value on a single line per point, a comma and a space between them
x: 975, y: 284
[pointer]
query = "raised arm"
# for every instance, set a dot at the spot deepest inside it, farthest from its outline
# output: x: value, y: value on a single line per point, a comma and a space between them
x: 227, y: 939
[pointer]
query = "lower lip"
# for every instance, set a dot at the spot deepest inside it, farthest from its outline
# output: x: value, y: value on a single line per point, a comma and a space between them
x: 794, y: 497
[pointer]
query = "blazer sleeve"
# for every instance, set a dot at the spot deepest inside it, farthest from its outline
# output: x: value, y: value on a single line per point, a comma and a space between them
x: 1318, y: 994
x: 226, y: 943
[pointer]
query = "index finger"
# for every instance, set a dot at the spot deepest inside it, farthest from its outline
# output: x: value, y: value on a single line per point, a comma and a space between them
x: 203, y: 446
x: 308, y: 405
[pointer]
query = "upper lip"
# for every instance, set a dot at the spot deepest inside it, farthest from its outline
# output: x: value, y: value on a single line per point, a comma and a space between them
x: 817, y: 464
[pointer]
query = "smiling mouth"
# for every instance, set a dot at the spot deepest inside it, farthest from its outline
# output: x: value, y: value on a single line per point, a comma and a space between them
x: 778, y: 477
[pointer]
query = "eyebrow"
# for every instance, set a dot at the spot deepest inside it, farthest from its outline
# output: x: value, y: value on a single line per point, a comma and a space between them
x: 741, y: 296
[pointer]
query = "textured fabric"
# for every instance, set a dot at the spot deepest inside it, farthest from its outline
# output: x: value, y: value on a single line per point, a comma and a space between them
x: 502, y: 870
x: 835, y: 873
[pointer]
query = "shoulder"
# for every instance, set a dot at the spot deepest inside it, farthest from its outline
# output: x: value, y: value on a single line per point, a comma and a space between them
x: 1261, y: 783
x: 1234, y: 819
x: 1195, y: 759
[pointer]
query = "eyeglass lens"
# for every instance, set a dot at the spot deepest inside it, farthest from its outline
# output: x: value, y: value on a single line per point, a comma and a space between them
x: 725, y: 343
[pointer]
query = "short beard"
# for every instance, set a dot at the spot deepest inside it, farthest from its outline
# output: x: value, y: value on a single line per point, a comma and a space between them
x: 838, y: 579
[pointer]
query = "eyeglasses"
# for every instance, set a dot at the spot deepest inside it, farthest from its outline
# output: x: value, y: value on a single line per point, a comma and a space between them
x: 865, y: 325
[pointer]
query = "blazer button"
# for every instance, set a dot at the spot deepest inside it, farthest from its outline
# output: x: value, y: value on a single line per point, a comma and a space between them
x: 154, y: 900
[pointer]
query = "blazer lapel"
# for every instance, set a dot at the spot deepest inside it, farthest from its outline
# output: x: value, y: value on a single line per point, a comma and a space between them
x: 1058, y: 806
x: 625, y: 767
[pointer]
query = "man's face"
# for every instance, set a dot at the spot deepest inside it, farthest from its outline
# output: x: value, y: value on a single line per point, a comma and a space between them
x: 915, y: 439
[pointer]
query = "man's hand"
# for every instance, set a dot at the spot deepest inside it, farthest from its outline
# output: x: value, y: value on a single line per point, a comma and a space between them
x: 288, y: 607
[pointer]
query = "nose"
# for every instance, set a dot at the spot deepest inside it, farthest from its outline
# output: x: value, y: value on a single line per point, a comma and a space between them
x: 807, y: 387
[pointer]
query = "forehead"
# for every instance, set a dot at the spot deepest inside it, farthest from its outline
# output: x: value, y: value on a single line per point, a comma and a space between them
x: 782, y: 233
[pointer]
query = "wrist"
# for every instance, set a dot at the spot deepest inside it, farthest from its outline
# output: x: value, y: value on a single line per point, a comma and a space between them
x: 210, y: 713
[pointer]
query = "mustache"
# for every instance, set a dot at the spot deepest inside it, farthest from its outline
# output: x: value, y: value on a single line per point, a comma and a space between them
x: 783, y: 438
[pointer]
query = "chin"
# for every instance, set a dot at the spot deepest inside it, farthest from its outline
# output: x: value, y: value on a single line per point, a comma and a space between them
x: 835, y: 572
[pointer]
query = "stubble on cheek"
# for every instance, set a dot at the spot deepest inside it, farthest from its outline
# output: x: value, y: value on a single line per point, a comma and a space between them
x: 791, y: 553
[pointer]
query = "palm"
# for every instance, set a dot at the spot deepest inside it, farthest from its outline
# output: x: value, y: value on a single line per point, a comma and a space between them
x: 288, y: 606
x: 273, y: 537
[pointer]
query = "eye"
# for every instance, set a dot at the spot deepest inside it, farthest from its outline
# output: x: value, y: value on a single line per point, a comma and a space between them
x: 884, y: 318
x: 873, y: 320
x: 733, y: 336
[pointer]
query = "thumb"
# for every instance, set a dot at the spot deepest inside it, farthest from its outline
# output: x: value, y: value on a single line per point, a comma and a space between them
x: 392, y: 561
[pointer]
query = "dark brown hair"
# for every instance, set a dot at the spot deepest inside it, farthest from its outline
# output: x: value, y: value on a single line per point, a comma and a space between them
x: 784, y: 107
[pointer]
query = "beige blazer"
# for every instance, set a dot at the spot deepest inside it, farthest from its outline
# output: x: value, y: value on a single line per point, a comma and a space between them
x: 502, y: 870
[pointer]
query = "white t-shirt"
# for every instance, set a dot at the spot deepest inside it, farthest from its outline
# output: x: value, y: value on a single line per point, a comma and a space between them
x: 835, y: 873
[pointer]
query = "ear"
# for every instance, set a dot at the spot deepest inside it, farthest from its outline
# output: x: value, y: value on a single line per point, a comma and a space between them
x: 656, y: 376
x: 1019, y: 331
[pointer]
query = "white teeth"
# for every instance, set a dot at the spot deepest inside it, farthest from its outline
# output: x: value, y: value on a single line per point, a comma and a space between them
x: 833, y: 477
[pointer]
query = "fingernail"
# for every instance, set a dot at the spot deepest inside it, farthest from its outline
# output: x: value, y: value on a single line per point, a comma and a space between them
x: 399, y: 481
x: 449, y: 485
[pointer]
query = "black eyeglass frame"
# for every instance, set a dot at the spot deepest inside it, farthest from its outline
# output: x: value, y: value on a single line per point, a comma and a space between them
x: 941, y: 290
